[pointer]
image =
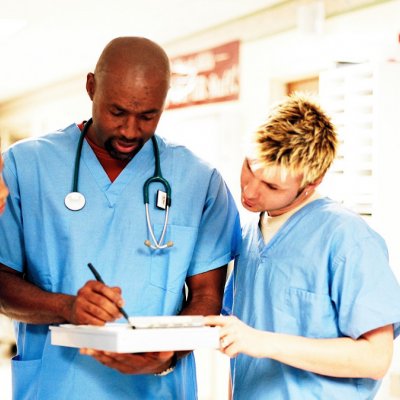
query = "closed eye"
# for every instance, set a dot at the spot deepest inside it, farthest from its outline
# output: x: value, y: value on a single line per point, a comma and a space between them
x: 117, y: 112
x: 270, y: 186
x: 146, y: 117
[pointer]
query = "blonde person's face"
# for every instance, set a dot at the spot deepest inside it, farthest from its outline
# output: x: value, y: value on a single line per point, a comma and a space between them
x: 270, y: 191
x: 3, y: 188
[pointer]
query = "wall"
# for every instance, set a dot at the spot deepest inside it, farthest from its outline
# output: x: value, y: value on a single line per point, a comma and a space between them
x: 53, y: 107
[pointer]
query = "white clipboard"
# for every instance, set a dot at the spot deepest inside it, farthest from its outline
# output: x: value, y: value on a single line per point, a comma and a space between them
x: 165, y: 333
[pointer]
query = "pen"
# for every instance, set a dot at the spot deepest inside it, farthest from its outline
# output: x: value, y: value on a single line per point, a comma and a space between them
x: 100, y: 279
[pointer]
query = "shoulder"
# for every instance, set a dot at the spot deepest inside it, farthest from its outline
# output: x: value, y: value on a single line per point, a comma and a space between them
x: 43, y: 142
x: 180, y: 150
x: 343, y: 225
x: 183, y: 157
x: 42, y: 150
x: 336, y: 214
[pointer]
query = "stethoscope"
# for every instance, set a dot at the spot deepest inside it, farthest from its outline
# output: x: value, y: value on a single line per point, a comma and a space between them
x: 75, y: 200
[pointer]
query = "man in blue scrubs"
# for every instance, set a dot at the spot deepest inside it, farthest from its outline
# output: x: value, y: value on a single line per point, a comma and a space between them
x: 316, y: 306
x: 45, y: 247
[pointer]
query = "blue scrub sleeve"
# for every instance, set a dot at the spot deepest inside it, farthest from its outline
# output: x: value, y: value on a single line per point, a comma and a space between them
x: 219, y: 230
x: 364, y: 288
x: 11, y: 238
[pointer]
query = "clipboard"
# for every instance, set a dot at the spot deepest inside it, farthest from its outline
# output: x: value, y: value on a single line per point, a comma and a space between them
x: 165, y: 333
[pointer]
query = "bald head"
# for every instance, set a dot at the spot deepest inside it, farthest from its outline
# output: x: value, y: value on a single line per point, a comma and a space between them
x: 134, y: 55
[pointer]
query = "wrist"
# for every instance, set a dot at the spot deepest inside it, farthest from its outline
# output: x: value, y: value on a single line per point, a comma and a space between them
x: 171, y: 366
x: 64, y: 305
x: 271, y: 348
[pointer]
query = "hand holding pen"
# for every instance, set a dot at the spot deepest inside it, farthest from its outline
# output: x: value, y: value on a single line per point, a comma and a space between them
x: 96, y: 304
x: 100, y: 279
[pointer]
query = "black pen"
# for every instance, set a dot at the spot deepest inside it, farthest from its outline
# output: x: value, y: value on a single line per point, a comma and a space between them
x: 100, y: 279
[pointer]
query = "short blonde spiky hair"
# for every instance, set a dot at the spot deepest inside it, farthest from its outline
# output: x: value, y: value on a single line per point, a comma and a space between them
x: 297, y: 137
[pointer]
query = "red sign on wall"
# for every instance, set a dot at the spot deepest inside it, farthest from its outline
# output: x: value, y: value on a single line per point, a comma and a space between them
x: 205, y: 77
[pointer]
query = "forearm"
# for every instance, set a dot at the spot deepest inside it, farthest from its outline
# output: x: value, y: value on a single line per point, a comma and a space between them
x: 367, y: 357
x: 339, y: 357
x: 205, y: 293
x: 202, y: 305
x: 23, y: 301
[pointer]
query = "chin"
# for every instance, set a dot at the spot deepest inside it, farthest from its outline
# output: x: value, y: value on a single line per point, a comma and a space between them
x: 122, y: 156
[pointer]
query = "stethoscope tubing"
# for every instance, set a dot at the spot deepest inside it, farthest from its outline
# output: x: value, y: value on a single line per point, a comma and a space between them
x: 78, y: 155
x: 75, y: 200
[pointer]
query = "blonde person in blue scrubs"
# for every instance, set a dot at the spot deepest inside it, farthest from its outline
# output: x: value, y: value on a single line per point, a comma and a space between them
x: 3, y: 188
x: 47, y: 241
x: 315, y: 304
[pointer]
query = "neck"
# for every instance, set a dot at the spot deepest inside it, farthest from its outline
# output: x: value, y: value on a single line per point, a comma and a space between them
x: 301, y: 198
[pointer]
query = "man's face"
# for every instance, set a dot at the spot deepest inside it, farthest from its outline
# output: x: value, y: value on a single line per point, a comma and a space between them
x: 126, y: 111
x: 270, y: 191
x: 3, y: 189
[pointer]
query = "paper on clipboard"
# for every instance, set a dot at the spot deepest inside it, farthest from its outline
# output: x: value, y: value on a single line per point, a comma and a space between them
x: 182, y: 334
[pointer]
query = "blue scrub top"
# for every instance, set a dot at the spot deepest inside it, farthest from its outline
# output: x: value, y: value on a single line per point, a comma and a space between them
x: 325, y: 274
x: 52, y: 246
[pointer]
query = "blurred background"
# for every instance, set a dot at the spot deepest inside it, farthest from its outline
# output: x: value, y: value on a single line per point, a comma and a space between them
x: 231, y: 60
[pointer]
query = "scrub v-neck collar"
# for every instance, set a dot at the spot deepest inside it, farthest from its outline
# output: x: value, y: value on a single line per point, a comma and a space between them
x: 134, y: 170
x: 284, y: 230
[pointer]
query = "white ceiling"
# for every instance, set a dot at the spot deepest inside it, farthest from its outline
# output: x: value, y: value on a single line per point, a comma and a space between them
x: 45, y: 41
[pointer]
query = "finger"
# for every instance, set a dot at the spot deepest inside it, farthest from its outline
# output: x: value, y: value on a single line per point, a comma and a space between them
x: 224, y: 342
x: 88, y: 319
x: 142, y: 363
x: 215, y: 320
x: 91, y: 298
x: 111, y: 362
x: 113, y: 294
x: 102, y: 307
x: 116, y: 289
x: 231, y: 351
x: 96, y: 307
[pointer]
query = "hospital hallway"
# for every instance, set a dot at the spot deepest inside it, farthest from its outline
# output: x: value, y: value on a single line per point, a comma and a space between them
x: 230, y: 62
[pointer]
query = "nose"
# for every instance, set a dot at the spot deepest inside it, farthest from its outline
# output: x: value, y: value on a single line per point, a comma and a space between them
x: 130, y: 128
x: 251, y: 189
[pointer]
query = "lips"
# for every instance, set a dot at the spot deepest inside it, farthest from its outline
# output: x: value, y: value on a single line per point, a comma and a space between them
x: 124, y: 147
x: 247, y: 203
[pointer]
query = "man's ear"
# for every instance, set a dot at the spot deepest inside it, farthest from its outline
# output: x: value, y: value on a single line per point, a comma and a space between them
x: 313, y: 185
x: 90, y: 85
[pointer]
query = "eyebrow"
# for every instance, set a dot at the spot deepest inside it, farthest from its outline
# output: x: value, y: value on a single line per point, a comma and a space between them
x: 272, y: 185
x: 151, y: 111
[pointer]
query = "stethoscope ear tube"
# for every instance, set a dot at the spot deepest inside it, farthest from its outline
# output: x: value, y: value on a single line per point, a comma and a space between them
x: 157, y: 177
x: 157, y: 244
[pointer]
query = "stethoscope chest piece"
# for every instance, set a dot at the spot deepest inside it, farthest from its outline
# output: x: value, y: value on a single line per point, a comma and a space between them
x: 75, y: 201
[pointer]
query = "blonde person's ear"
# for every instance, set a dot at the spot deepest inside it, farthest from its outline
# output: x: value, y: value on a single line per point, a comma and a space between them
x: 312, y: 186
